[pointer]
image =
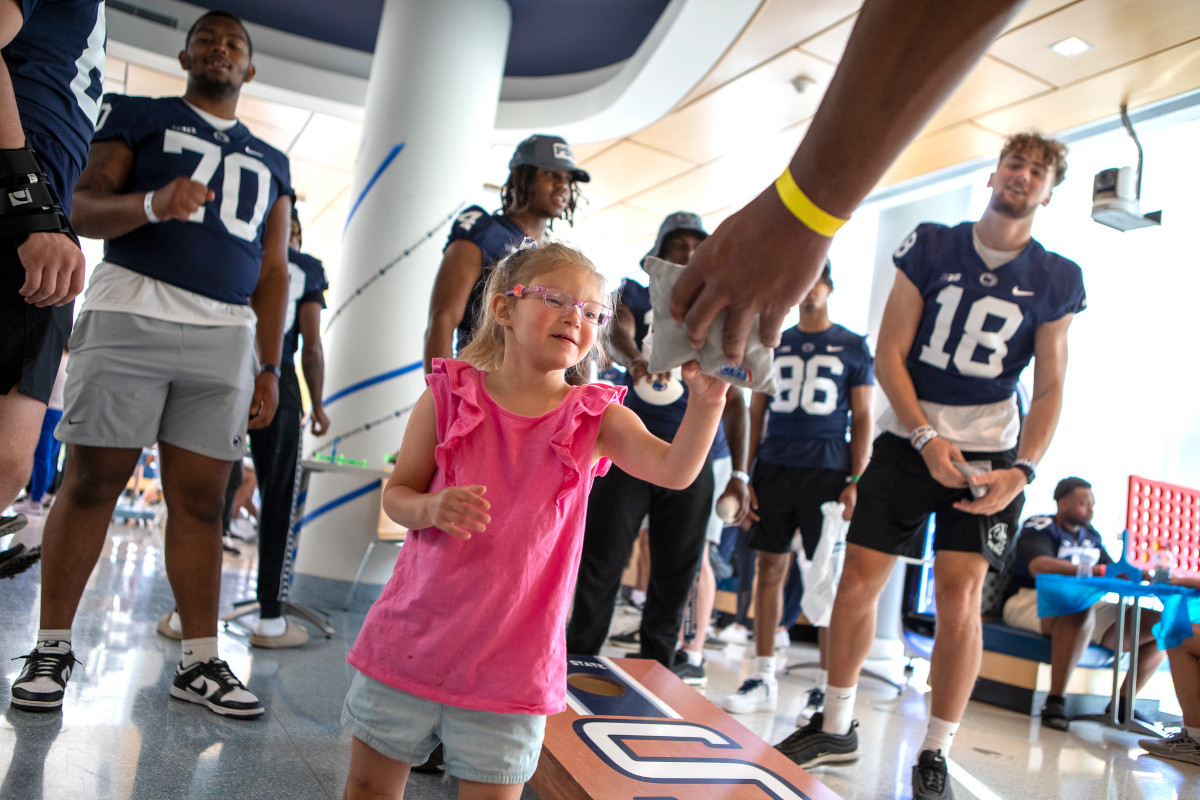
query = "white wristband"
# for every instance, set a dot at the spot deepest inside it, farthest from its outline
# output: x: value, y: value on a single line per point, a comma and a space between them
x: 149, y: 209
x: 740, y: 475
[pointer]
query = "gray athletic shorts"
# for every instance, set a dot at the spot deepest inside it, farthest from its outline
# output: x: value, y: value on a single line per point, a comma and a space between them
x: 134, y: 380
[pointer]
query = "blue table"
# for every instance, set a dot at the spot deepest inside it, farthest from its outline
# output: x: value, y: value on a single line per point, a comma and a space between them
x: 1066, y: 594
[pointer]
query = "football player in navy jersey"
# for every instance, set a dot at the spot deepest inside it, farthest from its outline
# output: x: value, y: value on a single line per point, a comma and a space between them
x: 826, y: 387
x: 276, y: 448
x: 542, y: 186
x: 194, y: 210
x: 970, y: 307
x: 50, y: 90
x: 679, y: 519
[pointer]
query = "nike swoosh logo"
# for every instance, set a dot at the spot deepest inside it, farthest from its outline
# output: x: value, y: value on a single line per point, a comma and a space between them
x: 74, y: 421
x: 1019, y: 292
x: 205, y: 686
x: 253, y: 152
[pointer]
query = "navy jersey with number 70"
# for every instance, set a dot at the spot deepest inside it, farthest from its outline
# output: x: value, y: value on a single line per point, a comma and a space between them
x: 218, y: 251
x: 977, y: 330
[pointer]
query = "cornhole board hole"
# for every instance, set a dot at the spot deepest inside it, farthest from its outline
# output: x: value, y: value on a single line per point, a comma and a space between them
x: 634, y: 731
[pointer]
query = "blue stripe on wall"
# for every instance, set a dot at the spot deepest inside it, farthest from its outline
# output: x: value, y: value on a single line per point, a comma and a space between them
x: 337, y: 501
x: 368, y: 382
x: 387, y: 160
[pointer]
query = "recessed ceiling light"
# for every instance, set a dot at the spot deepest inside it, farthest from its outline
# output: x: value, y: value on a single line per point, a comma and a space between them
x: 1070, y: 47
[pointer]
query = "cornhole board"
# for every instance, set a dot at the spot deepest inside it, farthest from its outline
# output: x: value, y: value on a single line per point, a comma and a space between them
x: 634, y: 731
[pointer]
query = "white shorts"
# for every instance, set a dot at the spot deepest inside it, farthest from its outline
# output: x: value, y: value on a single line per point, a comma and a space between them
x: 1020, y: 611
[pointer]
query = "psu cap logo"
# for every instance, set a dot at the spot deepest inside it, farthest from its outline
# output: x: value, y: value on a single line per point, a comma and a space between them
x: 563, y: 150
x: 739, y: 373
x: 988, y: 279
x: 997, y: 538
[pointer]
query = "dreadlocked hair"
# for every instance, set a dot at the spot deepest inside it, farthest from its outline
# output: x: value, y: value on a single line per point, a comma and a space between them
x: 486, y: 348
x: 517, y: 190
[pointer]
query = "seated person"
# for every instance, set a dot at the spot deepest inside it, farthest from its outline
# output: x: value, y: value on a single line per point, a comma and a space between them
x: 1185, y: 673
x: 1046, y: 544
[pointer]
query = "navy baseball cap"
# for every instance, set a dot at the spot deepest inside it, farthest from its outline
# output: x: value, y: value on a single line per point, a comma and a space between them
x: 827, y: 274
x: 548, y: 152
x: 679, y: 221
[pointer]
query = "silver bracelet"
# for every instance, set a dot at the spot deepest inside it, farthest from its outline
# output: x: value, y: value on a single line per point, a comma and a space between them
x: 737, y: 474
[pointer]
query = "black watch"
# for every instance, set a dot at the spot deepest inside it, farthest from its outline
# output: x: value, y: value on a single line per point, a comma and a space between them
x: 271, y: 368
x: 1026, y: 466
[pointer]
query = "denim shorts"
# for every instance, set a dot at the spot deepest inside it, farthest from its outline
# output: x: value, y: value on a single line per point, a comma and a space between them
x: 480, y: 746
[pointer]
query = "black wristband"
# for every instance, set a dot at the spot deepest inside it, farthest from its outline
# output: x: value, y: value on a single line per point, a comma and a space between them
x: 1026, y: 466
x: 28, y: 202
x: 271, y: 368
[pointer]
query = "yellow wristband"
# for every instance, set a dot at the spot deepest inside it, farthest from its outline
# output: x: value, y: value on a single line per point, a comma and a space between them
x: 816, y: 219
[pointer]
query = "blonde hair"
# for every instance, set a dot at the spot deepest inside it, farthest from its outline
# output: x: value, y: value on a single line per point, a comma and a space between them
x: 486, y: 348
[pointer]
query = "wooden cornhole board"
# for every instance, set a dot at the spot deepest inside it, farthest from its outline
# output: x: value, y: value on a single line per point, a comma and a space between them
x: 634, y: 731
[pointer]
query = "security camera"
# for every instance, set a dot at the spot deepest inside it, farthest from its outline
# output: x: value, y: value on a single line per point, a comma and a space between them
x: 1117, y: 191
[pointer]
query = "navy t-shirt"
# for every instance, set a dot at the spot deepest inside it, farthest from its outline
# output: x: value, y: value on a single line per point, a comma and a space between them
x: 977, y: 329
x: 218, y: 252
x: 496, y: 236
x: 808, y: 420
x: 1043, y: 536
x: 56, y: 62
x: 306, y: 284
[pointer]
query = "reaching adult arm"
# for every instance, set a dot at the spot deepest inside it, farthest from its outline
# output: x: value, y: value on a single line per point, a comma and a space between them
x: 462, y: 263
x: 269, y: 302
x: 901, y: 316
x: 862, y: 401
x: 312, y: 362
x: 902, y: 61
x: 735, y: 418
x: 54, y: 265
x: 1049, y: 378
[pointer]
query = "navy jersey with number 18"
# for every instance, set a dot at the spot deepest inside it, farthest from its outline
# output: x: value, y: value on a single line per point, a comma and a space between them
x: 978, y: 326
x: 807, y: 421
x: 218, y: 251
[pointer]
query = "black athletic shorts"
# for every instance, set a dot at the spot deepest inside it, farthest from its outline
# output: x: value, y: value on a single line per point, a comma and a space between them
x: 31, y: 338
x: 790, y: 498
x: 897, y: 494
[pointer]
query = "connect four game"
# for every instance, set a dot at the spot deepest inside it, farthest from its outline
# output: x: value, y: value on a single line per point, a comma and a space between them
x: 1163, y: 516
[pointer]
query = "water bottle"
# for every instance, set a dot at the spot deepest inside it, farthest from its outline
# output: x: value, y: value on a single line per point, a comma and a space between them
x: 1164, y: 562
x: 1083, y: 566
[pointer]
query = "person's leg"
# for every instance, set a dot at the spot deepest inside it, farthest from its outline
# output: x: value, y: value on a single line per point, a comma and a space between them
x: 745, y: 558
x: 77, y: 525
x: 1150, y: 658
x: 276, y: 462
x: 1069, y: 635
x: 958, y: 645
x: 1185, y: 675
x: 20, y: 424
x: 616, y: 505
x: 677, y: 525
x: 373, y: 776
x: 194, y: 488
x: 706, y: 596
x: 772, y: 571
x: 852, y: 623
x: 470, y: 790
x: 232, y: 485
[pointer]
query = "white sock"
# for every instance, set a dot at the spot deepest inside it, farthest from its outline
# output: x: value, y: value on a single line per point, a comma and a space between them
x: 764, y: 668
x: 271, y: 627
x: 1193, y: 731
x: 839, y: 709
x: 694, y: 657
x: 198, y: 650
x: 54, y: 640
x: 939, y: 736
x: 822, y: 679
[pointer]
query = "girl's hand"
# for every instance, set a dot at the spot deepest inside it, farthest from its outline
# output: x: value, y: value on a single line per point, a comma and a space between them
x: 460, y: 510
x: 703, y: 388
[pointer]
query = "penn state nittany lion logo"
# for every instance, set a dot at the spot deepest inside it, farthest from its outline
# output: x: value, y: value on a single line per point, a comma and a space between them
x: 988, y: 279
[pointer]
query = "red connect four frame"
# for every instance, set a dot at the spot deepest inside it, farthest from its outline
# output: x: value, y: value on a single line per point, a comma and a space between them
x: 1163, y: 516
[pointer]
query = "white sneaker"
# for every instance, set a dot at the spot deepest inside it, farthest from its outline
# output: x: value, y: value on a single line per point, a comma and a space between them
x: 31, y: 508
x: 734, y: 634
x: 754, y: 695
x: 783, y: 639
x: 814, y: 703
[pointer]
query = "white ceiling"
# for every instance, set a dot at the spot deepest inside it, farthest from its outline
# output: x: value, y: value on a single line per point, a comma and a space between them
x: 732, y: 133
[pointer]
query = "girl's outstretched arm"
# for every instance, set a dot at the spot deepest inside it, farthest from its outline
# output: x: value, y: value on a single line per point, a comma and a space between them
x: 457, y: 510
x: 625, y: 440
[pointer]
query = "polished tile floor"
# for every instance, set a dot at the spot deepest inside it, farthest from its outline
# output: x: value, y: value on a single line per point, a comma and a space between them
x: 120, y: 736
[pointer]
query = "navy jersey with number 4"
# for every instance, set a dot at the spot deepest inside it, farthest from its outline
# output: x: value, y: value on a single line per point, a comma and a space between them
x: 496, y: 236
x: 219, y: 250
x: 977, y: 330
x: 56, y: 62
x: 807, y: 421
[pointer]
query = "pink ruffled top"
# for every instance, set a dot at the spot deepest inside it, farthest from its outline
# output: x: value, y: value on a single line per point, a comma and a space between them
x: 479, y: 623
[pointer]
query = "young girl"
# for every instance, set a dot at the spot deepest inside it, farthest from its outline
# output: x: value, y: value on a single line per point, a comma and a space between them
x: 466, y: 643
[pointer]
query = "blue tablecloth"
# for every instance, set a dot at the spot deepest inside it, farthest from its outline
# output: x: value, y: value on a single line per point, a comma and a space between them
x: 1066, y: 594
